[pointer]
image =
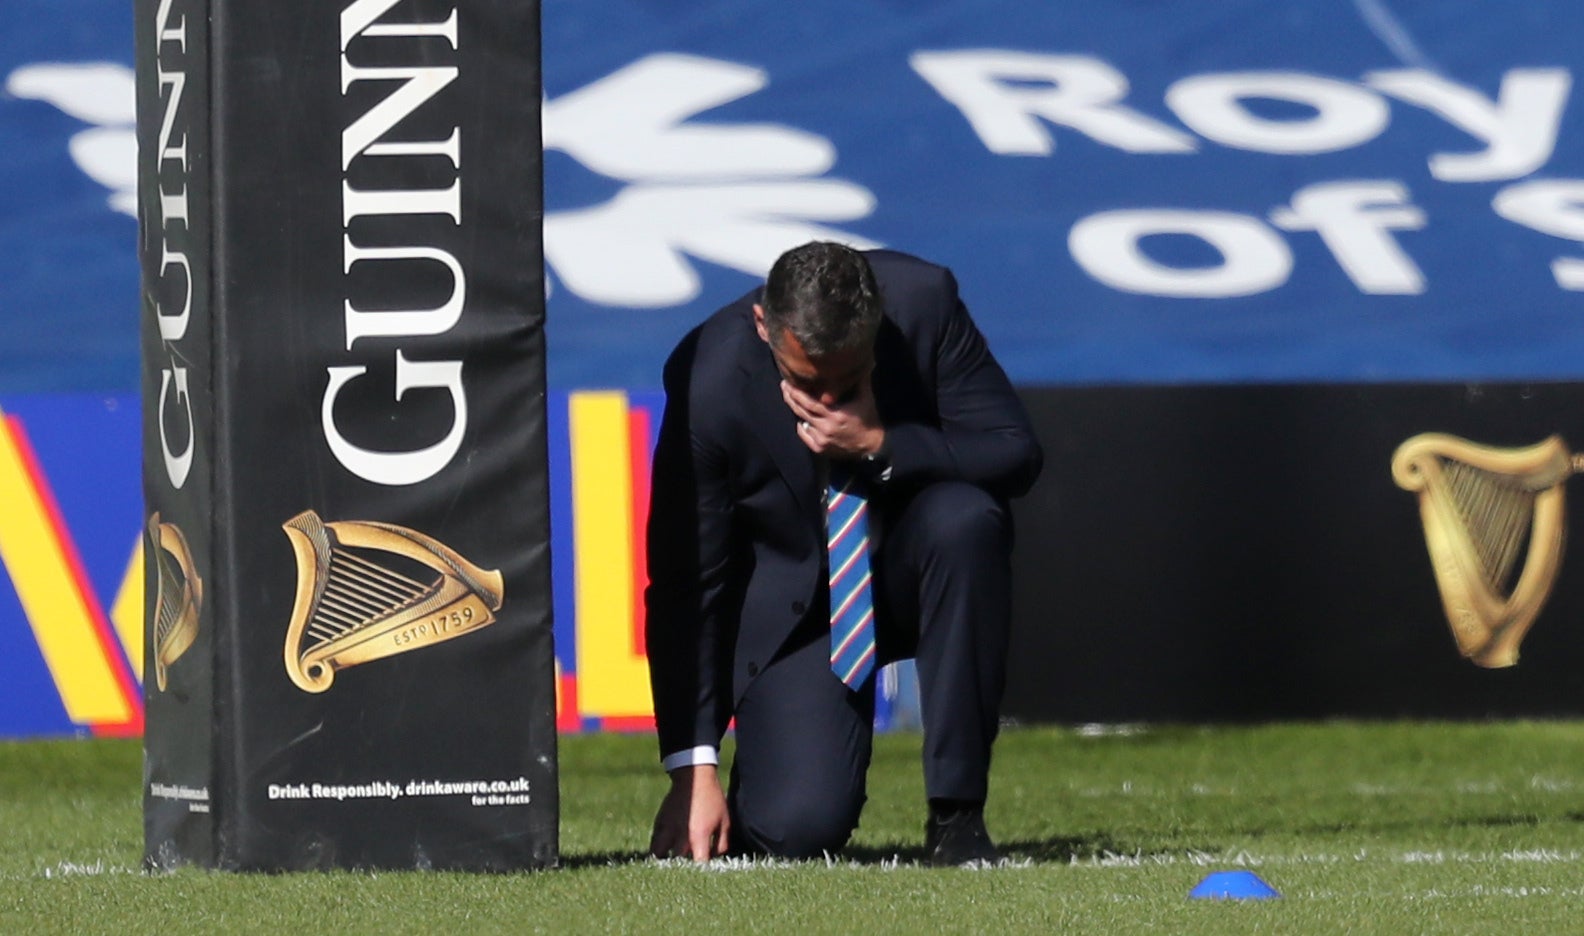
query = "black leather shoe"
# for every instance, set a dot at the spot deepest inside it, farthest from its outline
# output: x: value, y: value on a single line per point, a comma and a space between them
x: 956, y: 836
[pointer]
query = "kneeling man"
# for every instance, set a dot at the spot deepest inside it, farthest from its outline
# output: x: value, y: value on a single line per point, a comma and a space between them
x: 830, y: 494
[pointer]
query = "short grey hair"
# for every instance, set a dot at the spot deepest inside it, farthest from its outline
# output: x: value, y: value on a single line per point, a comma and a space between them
x: 825, y: 295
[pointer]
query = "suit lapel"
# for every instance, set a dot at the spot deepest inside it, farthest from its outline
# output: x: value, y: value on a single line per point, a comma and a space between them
x: 777, y: 428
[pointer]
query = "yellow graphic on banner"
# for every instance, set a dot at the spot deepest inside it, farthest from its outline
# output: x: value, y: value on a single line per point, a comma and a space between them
x: 127, y: 612
x: 352, y: 607
x: 52, y: 593
x: 613, y: 676
x: 1485, y: 508
x: 178, y: 603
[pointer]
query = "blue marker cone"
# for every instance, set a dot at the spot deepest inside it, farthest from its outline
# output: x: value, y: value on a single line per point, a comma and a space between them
x: 1233, y: 885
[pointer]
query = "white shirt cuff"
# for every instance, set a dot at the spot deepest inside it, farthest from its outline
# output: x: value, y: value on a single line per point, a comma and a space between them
x: 692, y: 757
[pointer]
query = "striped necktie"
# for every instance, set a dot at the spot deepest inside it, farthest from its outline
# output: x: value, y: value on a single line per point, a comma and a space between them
x: 852, y: 601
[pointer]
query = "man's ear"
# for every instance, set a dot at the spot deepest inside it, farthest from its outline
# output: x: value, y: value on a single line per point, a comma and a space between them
x: 759, y: 323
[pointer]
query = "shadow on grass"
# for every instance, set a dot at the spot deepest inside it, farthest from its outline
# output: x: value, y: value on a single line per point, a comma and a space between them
x: 604, y: 859
x: 1057, y: 850
x: 1100, y: 846
x: 1406, y: 824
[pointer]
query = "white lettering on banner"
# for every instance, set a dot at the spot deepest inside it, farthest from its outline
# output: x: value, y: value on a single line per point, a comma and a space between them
x: 174, y: 327
x: 736, y: 194
x: 418, y: 86
x: 1353, y: 218
x: 1520, y: 129
x: 173, y: 209
x: 1076, y: 91
x: 1550, y: 206
x: 1253, y: 258
x: 403, y: 322
x: 196, y: 798
x: 362, y: 138
x: 399, y: 468
x: 177, y: 466
x: 447, y: 201
x: 1212, y: 106
x: 517, y: 791
x: 989, y: 87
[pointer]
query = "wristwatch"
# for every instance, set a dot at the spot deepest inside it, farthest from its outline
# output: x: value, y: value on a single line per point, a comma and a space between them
x: 877, y: 464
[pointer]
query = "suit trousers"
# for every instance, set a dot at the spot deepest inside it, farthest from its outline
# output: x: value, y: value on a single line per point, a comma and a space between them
x: 942, y: 584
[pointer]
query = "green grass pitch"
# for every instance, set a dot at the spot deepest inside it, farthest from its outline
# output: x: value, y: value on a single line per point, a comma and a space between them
x: 1362, y: 828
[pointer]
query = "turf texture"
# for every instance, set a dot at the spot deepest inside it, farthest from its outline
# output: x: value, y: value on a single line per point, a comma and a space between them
x: 1361, y: 827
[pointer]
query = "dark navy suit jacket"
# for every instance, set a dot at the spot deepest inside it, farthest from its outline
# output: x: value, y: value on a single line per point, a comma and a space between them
x: 736, y: 525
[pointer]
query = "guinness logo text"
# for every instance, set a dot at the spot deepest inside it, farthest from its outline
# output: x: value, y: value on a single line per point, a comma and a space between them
x: 175, y: 271
x: 367, y: 137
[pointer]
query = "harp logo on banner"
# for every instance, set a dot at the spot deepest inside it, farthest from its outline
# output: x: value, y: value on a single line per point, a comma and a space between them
x: 418, y: 85
x: 368, y: 590
x: 179, y: 601
x: 1481, y: 505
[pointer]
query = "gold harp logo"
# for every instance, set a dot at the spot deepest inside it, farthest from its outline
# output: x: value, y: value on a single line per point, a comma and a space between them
x: 1484, y: 507
x: 368, y: 590
x: 179, y: 597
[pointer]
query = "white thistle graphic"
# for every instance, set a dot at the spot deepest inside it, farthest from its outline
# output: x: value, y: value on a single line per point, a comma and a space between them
x: 736, y: 195
x: 98, y: 93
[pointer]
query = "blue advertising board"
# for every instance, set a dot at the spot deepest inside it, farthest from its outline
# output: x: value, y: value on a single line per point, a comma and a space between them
x: 1312, y: 190
x: 1132, y: 194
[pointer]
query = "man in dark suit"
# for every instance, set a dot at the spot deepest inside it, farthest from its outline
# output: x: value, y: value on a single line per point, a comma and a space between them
x: 847, y: 368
